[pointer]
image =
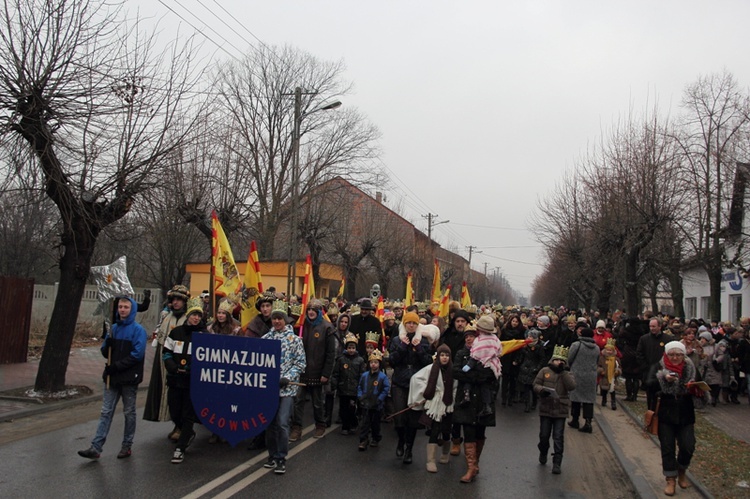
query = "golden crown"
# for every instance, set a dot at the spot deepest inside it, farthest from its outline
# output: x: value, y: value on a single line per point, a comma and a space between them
x: 354, y: 310
x: 194, y: 305
x: 372, y: 337
x: 350, y: 338
x: 296, y: 309
x: 279, y: 306
x: 376, y: 355
x: 560, y: 352
x: 610, y: 343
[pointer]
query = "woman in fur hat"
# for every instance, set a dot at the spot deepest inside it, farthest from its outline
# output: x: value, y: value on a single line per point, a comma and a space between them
x: 408, y: 353
x: 432, y: 391
x: 673, y: 375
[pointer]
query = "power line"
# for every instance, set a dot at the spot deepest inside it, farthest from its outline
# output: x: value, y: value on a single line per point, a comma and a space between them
x: 490, y: 227
x: 221, y: 47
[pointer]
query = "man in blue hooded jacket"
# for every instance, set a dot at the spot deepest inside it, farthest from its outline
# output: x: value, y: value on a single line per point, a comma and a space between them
x: 125, y: 349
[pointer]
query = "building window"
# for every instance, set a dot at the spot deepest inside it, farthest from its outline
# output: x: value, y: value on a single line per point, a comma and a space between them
x: 735, y: 308
x: 704, y: 308
x: 691, y: 308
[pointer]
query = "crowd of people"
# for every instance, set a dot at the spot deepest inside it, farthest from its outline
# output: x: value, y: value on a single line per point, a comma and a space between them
x: 441, y: 374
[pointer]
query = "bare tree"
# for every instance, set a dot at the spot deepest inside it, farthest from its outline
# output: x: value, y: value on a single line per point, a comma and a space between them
x: 82, y: 88
x: 256, y: 96
x: 712, y: 133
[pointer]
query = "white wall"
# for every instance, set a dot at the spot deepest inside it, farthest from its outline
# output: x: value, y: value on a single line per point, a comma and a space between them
x: 734, y: 289
x: 44, y: 299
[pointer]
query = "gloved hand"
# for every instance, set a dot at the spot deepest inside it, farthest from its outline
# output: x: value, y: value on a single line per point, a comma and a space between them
x: 544, y: 394
x: 283, y: 382
x: 147, y: 293
x: 466, y: 368
x: 109, y: 370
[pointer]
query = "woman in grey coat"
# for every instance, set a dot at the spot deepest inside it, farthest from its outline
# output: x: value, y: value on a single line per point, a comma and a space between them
x: 582, y: 359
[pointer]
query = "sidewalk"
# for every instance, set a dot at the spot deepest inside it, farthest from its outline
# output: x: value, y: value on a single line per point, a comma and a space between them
x: 85, y: 367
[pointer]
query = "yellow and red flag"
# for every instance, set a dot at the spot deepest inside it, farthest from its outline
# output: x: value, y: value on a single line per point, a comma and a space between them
x: 252, y: 287
x: 226, y: 276
x: 509, y: 346
x: 444, y: 309
x: 341, y: 287
x: 465, y: 298
x: 308, y: 292
x: 380, y: 314
x: 380, y: 311
x: 409, y: 300
x: 436, y: 292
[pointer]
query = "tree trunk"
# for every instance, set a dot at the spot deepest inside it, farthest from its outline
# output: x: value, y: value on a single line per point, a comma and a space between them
x: 79, y: 242
x: 675, y: 283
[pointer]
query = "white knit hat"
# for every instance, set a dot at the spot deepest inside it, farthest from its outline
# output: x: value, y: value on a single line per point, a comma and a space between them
x: 675, y: 345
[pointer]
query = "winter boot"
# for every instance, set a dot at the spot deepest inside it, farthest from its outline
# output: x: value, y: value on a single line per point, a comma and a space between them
x: 556, y: 463
x: 470, y: 451
x: 445, y: 457
x: 407, y: 454
x: 586, y: 428
x: 614, y: 403
x: 604, y: 399
x: 669, y: 489
x: 431, y: 455
x: 480, y: 447
x: 456, y: 446
x: 573, y: 423
x: 682, y: 479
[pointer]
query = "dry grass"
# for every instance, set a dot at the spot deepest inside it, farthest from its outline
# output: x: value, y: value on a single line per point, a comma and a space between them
x: 87, y: 333
x: 721, y: 463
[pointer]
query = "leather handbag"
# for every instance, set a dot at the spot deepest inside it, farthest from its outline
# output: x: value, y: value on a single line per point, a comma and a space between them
x: 651, y: 420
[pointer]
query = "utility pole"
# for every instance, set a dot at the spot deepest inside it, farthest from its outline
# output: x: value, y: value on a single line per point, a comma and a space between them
x: 430, y: 217
x: 471, y: 250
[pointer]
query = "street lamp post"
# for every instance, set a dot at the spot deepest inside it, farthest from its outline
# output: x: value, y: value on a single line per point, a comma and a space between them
x: 298, y: 116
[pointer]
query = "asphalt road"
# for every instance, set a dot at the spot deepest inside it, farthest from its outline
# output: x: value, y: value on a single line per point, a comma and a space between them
x: 40, y: 460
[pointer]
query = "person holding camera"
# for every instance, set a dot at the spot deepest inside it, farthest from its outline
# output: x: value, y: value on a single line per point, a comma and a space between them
x: 672, y: 377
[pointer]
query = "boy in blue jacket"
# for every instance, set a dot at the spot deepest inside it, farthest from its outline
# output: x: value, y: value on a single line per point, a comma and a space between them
x: 126, y: 342
x: 372, y: 391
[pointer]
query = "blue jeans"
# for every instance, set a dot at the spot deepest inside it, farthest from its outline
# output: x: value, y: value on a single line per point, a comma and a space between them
x: 277, y: 433
x: 556, y: 428
x: 111, y: 397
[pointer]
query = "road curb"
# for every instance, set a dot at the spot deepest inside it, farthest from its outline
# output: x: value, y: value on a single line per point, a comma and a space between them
x: 703, y: 491
x: 641, y: 486
x: 54, y: 406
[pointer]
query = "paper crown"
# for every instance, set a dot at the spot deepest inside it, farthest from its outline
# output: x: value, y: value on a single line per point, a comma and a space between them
x: 354, y: 310
x: 279, y: 306
x: 560, y: 352
x: 376, y: 355
x: 195, y: 305
x: 610, y: 343
x: 226, y: 306
x: 397, y: 304
x: 372, y: 337
x: 421, y: 306
x: 350, y: 338
x: 296, y: 309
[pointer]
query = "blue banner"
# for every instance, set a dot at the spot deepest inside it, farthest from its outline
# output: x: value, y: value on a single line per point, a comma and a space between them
x: 234, y: 384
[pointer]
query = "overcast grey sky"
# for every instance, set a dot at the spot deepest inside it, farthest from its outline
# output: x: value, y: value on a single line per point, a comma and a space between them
x: 483, y: 104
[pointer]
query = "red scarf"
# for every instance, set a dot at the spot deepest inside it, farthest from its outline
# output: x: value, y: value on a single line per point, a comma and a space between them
x: 676, y: 368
